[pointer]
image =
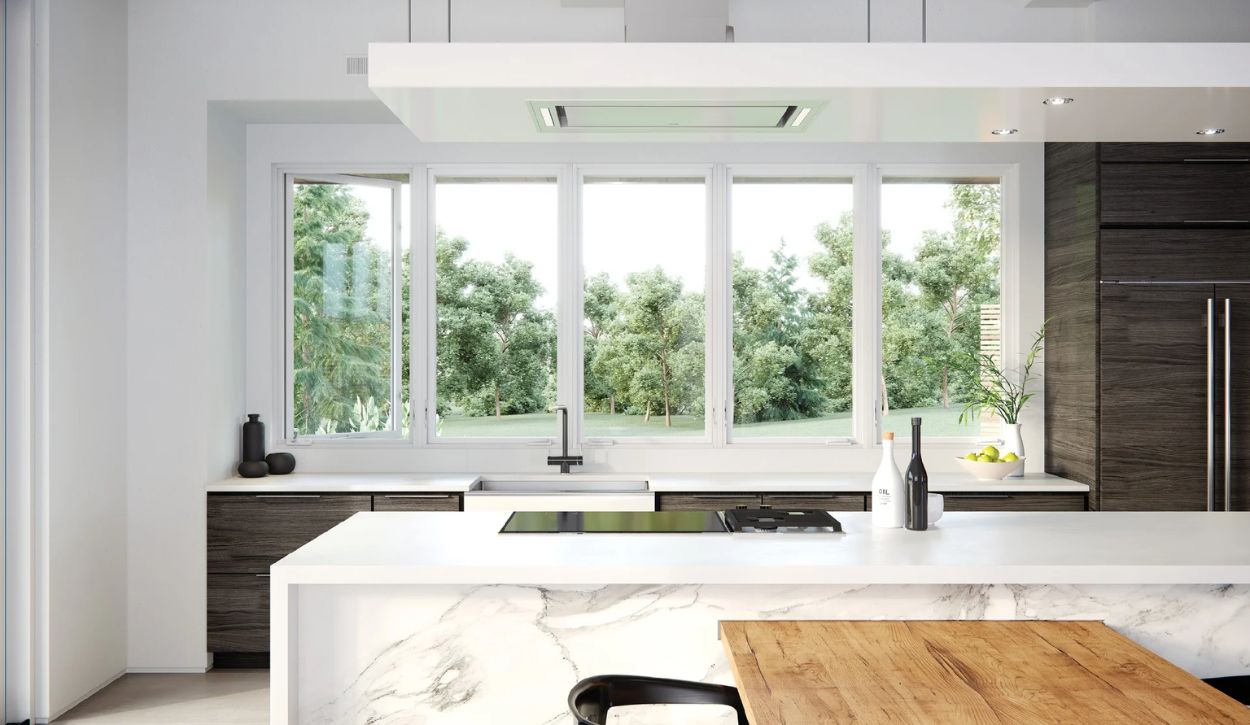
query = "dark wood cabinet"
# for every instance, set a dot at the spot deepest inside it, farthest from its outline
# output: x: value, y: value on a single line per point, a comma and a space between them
x: 247, y: 533
x: 1173, y: 153
x: 238, y: 613
x: 417, y: 502
x: 1185, y: 193
x: 1182, y: 255
x: 821, y: 501
x: 1154, y: 397
x: 705, y: 502
x: 1233, y: 441
x: 1013, y: 502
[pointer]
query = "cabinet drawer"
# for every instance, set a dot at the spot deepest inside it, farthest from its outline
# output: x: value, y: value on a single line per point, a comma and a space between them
x: 706, y: 502
x: 238, y: 613
x: 1174, y: 152
x: 1013, y: 502
x: 248, y: 533
x: 1195, y: 255
x: 1175, y: 193
x: 416, y: 502
x: 819, y: 501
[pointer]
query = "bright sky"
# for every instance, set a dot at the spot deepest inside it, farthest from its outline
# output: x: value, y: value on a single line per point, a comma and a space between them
x: 634, y: 226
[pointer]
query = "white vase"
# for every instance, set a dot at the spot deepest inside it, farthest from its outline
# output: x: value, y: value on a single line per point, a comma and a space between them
x: 1013, y: 443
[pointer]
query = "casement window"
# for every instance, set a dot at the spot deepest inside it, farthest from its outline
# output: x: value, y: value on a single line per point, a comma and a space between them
x: 346, y: 277
x: 792, y: 245
x: 644, y: 248
x: 702, y: 305
x: 941, y: 303
x: 495, y: 290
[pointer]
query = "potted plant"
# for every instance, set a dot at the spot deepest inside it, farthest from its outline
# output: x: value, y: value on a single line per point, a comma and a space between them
x: 1003, y: 391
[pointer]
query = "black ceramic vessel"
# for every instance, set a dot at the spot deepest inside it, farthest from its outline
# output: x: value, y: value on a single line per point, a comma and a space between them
x: 253, y: 439
x: 253, y: 469
x: 280, y: 463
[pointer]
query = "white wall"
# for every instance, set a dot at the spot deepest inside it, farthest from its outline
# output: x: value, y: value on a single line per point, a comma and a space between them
x: 183, y: 310
x: 86, y: 514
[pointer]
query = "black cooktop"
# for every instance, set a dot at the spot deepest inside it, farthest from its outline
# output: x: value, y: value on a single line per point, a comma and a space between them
x: 614, y: 522
x: 801, y: 521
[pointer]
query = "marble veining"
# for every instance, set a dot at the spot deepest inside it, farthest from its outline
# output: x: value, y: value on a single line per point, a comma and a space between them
x: 468, y: 655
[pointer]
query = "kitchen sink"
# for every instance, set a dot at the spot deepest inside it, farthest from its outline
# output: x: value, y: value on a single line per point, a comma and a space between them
x: 561, y: 485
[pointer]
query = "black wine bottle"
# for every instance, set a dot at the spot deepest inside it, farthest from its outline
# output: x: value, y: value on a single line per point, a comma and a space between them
x: 917, y: 484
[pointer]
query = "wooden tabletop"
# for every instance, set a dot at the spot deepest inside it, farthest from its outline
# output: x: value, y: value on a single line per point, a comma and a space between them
x: 814, y: 672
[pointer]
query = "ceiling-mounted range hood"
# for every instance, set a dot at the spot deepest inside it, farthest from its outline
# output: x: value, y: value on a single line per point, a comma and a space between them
x: 668, y: 116
x: 814, y: 92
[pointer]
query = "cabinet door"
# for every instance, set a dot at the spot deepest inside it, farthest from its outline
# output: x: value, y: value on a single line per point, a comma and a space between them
x: 238, y: 613
x: 248, y: 533
x: 416, y: 502
x: 706, y: 502
x: 1175, y: 193
x: 1175, y: 152
x: 1175, y: 254
x: 819, y: 501
x: 1154, y: 397
x: 1233, y: 454
x: 1013, y: 502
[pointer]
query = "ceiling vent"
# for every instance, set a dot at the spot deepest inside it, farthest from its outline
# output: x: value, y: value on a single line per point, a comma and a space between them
x: 614, y: 117
x: 357, y: 65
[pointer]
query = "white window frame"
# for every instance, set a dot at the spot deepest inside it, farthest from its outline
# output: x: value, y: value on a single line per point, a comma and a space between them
x: 1008, y: 273
x: 284, y: 387
x: 714, y: 289
x: 424, y: 342
x: 864, y: 254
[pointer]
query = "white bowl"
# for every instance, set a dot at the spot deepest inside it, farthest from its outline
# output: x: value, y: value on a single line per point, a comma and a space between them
x: 990, y: 471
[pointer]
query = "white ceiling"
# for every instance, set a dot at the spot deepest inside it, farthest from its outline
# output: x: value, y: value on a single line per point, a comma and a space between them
x: 902, y: 92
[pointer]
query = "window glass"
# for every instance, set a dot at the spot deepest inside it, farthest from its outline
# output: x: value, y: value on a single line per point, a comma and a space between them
x: 645, y: 260
x: 496, y: 243
x: 792, y: 242
x: 346, y: 317
x: 940, y: 265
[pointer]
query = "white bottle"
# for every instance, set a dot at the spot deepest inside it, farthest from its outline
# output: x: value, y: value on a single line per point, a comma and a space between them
x: 889, y: 498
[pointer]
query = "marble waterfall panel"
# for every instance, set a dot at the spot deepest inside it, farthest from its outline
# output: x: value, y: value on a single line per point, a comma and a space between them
x: 467, y: 655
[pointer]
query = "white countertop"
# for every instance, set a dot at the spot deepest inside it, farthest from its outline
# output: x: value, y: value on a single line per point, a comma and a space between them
x: 658, y: 482
x: 848, y: 482
x: 964, y: 548
x: 350, y: 483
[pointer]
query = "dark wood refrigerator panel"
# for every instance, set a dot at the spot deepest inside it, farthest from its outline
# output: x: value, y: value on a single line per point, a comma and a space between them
x: 1153, y: 397
x: 1235, y: 301
x: 1186, y: 194
x: 1189, y: 255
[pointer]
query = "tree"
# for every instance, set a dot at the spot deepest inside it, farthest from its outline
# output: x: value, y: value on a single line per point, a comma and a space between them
x: 341, y: 309
x: 496, y: 347
x: 655, y: 351
x: 957, y: 272
x: 828, y: 337
x: 601, y: 307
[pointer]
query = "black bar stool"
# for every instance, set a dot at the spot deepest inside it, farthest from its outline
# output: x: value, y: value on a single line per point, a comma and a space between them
x: 590, y: 699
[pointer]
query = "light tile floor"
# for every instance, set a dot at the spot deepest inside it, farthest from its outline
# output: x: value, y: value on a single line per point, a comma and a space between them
x: 238, y: 697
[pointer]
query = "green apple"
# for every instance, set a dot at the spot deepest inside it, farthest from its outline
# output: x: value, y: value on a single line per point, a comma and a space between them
x: 971, y: 456
x: 1010, y: 457
x: 990, y: 451
x: 985, y: 459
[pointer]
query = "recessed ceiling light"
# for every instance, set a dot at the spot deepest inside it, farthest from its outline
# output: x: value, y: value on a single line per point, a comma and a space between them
x: 800, y: 118
x: 547, y: 117
x: 1058, y: 101
x: 1005, y: 131
x: 1209, y: 131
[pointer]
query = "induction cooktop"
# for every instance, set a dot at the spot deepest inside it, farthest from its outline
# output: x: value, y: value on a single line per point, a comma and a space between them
x: 614, y: 522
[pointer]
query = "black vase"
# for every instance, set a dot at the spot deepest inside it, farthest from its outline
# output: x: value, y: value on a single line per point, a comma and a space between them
x: 253, y: 439
x: 253, y: 469
x: 280, y: 463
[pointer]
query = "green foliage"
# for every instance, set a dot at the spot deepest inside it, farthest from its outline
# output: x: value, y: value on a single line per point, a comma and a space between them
x: 342, y: 309
x: 993, y: 386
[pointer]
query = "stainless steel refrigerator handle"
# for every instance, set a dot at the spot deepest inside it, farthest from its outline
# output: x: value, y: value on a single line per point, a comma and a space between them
x: 1228, y: 403
x: 1210, y: 404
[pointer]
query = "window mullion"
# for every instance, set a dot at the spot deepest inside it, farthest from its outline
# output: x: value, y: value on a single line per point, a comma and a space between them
x: 397, y: 316
x: 569, y: 311
x: 866, y: 307
x: 719, y: 327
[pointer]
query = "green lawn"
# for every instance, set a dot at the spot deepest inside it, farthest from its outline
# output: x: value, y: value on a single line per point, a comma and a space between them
x: 938, y: 422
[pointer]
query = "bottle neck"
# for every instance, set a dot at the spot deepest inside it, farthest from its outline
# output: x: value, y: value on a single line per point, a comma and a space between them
x: 915, y: 440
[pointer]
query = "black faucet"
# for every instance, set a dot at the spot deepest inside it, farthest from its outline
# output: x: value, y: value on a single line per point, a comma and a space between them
x: 564, y: 460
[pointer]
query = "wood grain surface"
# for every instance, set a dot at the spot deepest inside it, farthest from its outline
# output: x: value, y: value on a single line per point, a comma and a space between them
x: 817, y: 672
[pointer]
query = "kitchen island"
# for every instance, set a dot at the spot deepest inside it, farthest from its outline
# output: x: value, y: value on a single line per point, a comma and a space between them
x: 435, y: 617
